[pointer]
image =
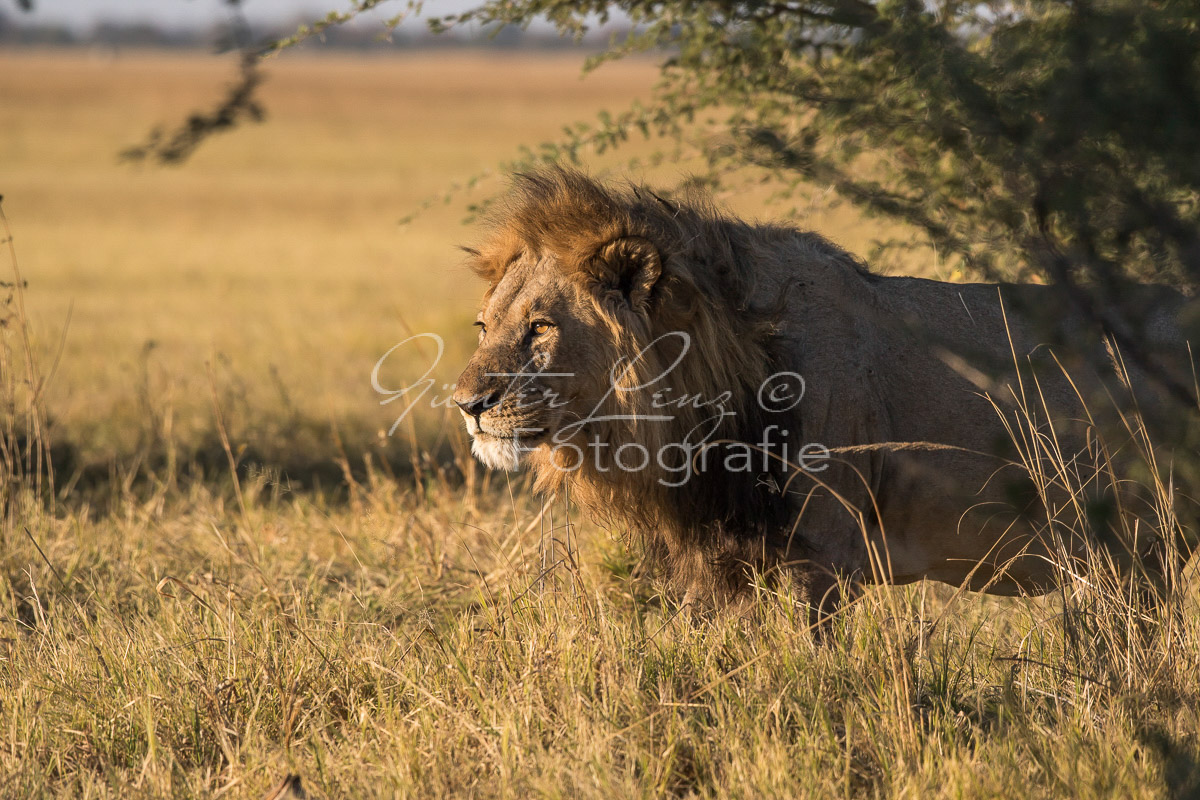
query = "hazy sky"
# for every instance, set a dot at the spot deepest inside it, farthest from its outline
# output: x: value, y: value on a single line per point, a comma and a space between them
x: 82, y: 14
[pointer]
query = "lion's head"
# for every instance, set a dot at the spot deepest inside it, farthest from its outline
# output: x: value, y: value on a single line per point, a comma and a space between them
x: 535, y: 371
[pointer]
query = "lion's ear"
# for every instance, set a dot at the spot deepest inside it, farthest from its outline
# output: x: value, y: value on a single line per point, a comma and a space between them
x: 622, y: 275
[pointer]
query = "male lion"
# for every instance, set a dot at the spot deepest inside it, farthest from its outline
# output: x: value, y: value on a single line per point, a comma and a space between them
x: 751, y: 398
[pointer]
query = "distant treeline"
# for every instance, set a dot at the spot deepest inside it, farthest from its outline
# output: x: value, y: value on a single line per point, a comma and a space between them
x: 17, y: 31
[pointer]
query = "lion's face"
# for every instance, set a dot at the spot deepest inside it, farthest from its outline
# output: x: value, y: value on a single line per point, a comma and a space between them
x: 531, y: 373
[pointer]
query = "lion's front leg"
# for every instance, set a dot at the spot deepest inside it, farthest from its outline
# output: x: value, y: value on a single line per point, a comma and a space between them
x: 825, y: 592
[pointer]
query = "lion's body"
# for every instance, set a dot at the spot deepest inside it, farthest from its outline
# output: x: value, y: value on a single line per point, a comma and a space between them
x: 909, y: 383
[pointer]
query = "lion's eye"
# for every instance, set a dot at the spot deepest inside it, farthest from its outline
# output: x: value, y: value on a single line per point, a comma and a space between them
x: 540, y: 327
x: 482, y: 328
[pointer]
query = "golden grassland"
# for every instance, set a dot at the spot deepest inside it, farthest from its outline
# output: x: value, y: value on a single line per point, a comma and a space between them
x: 172, y: 627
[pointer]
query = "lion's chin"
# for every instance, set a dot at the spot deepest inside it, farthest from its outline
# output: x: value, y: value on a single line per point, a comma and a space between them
x: 497, y: 453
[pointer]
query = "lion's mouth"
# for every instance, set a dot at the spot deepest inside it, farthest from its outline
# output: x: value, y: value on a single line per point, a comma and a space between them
x: 523, y: 435
x: 517, y: 433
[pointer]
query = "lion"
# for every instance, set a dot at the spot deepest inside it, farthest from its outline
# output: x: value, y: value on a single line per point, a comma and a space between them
x: 751, y: 399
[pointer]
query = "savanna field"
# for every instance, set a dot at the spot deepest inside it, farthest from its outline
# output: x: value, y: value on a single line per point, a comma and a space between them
x: 249, y: 571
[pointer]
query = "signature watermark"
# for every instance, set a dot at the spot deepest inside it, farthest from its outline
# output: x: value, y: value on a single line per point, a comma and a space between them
x: 696, y: 446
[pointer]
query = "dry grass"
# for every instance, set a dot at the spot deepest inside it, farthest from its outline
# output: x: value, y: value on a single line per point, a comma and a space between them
x: 170, y: 631
x: 406, y: 644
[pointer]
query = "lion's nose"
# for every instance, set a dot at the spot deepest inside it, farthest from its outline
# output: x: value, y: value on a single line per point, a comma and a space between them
x: 477, y: 404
